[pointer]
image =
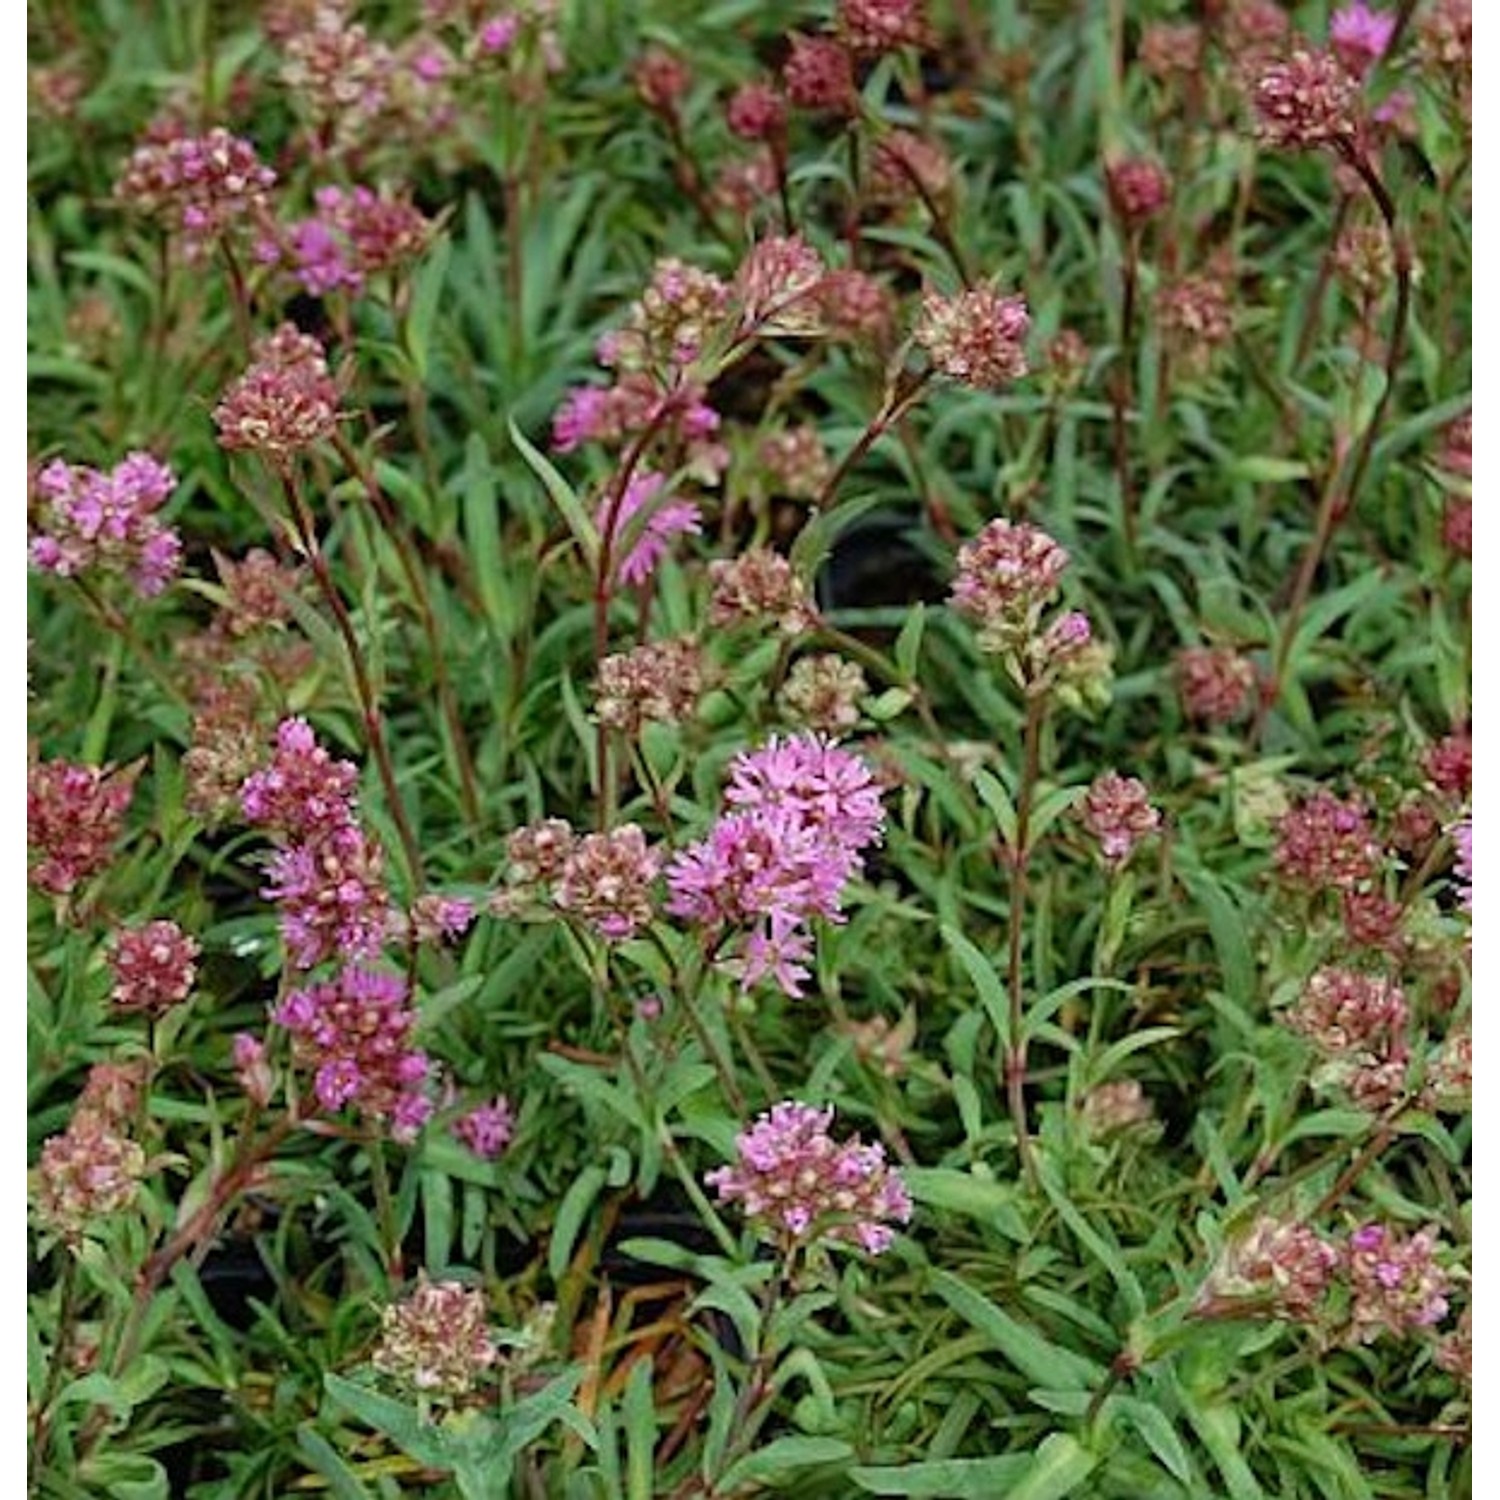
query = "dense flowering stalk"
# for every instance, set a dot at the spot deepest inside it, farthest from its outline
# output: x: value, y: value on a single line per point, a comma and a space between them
x: 1305, y: 100
x: 487, y: 1128
x: 203, y: 186
x: 977, y: 338
x: 1277, y: 1268
x: 303, y: 792
x: 353, y: 1033
x: 1117, y: 811
x: 802, y: 812
x: 74, y: 817
x: 107, y: 523
x: 1395, y: 1282
x: 284, y: 403
x: 436, y: 1341
x: 153, y: 966
x: 795, y: 1181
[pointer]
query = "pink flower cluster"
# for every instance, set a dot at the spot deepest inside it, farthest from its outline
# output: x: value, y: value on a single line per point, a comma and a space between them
x: 1357, y: 1022
x: 875, y: 26
x: 285, y: 402
x: 327, y: 874
x: 796, y: 1181
x: 665, y: 521
x: 1323, y: 843
x: 487, y: 1128
x: 1216, y: 684
x: 354, y: 1033
x: 1463, y: 864
x: 1305, y: 100
x: 355, y: 234
x: 977, y: 337
x: 606, y: 880
x: 154, y: 967
x: 802, y: 810
x: 436, y: 1342
x: 1359, y: 36
x: 1005, y: 577
x: 74, y: 816
x: 1278, y: 1267
x: 107, y: 522
x: 1117, y: 811
x: 1396, y: 1284
x: 205, y: 184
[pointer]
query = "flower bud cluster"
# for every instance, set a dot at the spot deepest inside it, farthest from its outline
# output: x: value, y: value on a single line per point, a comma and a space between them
x: 436, y: 1341
x: 91, y: 522
x: 74, y: 817
x: 284, y: 403
x: 795, y: 1181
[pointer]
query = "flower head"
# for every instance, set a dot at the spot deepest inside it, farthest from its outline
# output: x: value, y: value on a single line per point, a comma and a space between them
x: 154, y: 967
x: 871, y: 27
x: 668, y: 520
x: 303, y: 792
x: 759, y: 585
x: 1215, y: 684
x: 353, y: 1033
x: 606, y: 880
x: 91, y: 1169
x: 284, y: 403
x: 1277, y: 1268
x: 1359, y: 36
x: 819, y: 74
x: 1324, y: 843
x: 977, y: 337
x: 74, y: 817
x: 436, y: 1341
x: 756, y: 112
x: 1305, y: 100
x: 203, y: 186
x: 659, y: 682
x: 796, y: 1181
x: 1006, y: 575
x: 823, y: 692
x: 1139, y: 190
x: 1396, y: 1285
x: 487, y: 1128
x: 1117, y: 811
x: 90, y: 521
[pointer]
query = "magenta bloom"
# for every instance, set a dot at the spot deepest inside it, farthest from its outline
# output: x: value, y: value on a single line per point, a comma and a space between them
x: 332, y: 896
x: 801, y: 813
x: 668, y: 520
x: 487, y: 1129
x: 1463, y: 865
x: 354, y: 1033
x: 304, y: 792
x: 1359, y: 36
x: 108, y: 523
x: 796, y: 1181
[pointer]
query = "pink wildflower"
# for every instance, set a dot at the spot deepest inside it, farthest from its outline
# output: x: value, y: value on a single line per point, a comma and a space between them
x: 977, y: 337
x: 153, y: 967
x: 1324, y: 843
x: 88, y: 1171
x: 871, y: 27
x: 1359, y: 36
x: 354, y: 1033
x: 756, y: 112
x: 606, y: 880
x: 794, y: 1180
x: 778, y: 285
x: 74, y: 817
x: 1116, y: 810
x: 1139, y: 190
x: 819, y: 74
x: 436, y: 1342
x: 1216, y: 684
x: 1305, y: 100
x: 285, y: 402
x: 1397, y: 1285
x: 487, y: 1128
x: 1006, y: 575
x: 304, y: 792
x: 355, y: 234
x: 107, y: 522
x: 332, y: 895
x: 1277, y: 1268
x: 759, y: 585
x: 668, y: 520
x: 203, y: 185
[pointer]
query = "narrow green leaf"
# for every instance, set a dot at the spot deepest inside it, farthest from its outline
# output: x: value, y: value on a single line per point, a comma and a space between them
x: 570, y: 1215
x: 585, y: 533
x: 1058, y: 1467
x: 946, y: 1479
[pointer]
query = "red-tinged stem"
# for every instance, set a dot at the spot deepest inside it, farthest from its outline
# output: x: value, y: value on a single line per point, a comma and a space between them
x: 416, y: 580
x: 1341, y: 494
x: 369, y: 705
x: 1020, y: 856
x: 892, y: 408
x: 1120, y: 389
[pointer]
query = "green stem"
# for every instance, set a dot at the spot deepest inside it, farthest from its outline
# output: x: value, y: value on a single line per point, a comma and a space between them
x: 1020, y: 856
